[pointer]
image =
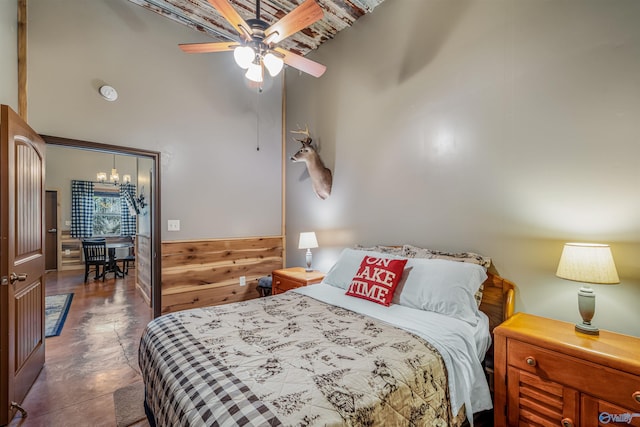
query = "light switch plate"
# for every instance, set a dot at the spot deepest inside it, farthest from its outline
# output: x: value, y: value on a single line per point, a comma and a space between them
x: 173, y: 225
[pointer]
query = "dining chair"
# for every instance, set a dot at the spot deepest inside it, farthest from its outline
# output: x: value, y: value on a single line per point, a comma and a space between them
x: 95, y: 255
x: 129, y: 258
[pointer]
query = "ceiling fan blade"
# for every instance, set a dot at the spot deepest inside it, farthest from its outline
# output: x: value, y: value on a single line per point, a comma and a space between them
x: 229, y: 13
x: 301, y: 63
x: 299, y: 18
x: 208, y: 47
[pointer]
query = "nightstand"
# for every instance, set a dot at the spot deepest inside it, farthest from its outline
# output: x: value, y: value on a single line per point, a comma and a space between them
x: 546, y: 373
x: 294, y: 277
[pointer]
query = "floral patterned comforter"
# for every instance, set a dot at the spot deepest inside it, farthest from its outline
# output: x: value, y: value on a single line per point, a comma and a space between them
x: 290, y: 360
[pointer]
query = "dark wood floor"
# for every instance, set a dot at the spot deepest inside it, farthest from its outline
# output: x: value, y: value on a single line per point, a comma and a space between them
x: 96, y: 353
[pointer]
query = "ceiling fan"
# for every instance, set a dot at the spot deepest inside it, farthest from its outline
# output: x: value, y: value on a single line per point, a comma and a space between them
x: 257, y: 48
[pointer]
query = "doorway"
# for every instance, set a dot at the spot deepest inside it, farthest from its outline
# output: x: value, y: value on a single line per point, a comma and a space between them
x: 51, y: 225
x: 153, y: 191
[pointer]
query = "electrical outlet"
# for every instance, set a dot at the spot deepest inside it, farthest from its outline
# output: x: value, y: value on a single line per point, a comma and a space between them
x: 173, y: 225
x: 67, y: 223
x: 243, y: 281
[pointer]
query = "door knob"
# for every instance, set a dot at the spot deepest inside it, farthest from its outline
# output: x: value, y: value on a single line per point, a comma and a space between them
x: 52, y: 230
x: 17, y: 277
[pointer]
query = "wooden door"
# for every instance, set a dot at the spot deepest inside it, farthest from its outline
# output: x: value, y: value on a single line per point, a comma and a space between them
x: 22, y: 168
x: 51, y: 224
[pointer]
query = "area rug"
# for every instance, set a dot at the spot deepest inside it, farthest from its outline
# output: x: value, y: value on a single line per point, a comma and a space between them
x: 129, y: 404
x: 56, y: 309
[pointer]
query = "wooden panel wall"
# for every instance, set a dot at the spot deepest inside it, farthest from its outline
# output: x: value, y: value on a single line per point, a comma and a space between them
x: 207, y: 272
x: 143, y: 266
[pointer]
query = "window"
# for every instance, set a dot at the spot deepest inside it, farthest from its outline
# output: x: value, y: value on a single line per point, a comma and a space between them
x: 102, y: 210
x: 106, y: 213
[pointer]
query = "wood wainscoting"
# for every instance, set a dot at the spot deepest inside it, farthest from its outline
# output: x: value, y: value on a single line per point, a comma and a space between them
x: 200, y: 273
x: 143, y: 266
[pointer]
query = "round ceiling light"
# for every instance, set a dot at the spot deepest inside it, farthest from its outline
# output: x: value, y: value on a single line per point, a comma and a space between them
x: 108, y: 93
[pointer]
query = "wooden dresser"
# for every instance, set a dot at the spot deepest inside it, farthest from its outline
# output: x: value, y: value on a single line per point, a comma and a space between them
x: 291, y: 278
x: 547, y: 374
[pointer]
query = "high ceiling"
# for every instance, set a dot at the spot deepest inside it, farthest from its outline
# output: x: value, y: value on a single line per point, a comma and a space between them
x: 201, y: 16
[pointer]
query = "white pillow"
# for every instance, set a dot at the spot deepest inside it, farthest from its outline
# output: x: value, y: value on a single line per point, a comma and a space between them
x: 347, y: 265
x: 441, y: 286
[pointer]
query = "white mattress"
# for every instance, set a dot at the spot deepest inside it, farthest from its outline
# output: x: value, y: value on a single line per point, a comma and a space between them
x: 461, y: 345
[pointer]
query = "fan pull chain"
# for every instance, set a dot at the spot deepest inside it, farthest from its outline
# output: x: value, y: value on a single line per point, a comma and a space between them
x: 258, y: 119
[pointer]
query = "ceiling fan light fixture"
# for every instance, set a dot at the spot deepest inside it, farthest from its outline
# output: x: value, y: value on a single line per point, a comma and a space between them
x: 254, y: 72
x: 273, y: 63
x: 258, y: 39
x: 267, y: 40
x: 244, y: 56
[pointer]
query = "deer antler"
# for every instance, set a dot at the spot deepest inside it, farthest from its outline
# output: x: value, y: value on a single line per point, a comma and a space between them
x: 304, y: 132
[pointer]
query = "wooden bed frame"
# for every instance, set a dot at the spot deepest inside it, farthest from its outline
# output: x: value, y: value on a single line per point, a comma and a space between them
x: 498, y: 300
x: 498, y: 303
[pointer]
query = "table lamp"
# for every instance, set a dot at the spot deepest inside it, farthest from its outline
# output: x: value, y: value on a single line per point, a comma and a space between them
x: 308, y: 241
x: 588, y: 263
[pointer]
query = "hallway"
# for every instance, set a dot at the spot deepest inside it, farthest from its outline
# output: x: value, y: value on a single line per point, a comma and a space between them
x: 95, y: 354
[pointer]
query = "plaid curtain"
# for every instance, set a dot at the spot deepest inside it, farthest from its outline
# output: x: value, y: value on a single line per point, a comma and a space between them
x: 81, y: 209
x: 127, y: 210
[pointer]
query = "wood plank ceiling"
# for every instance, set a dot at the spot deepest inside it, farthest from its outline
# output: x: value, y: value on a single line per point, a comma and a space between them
x: 201, y: 16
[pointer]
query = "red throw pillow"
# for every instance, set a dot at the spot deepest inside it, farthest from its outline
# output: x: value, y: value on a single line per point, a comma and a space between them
x: 377, y: 279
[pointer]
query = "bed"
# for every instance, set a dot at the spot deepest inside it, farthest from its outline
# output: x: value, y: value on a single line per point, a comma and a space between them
x: 320, y: 356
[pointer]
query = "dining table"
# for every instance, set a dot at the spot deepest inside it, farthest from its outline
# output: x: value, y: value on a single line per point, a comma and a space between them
x: 112, y: 262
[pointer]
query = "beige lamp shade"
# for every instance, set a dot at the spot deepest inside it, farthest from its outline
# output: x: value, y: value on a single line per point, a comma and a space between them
x: 587, y: 262
x: 307, y: 240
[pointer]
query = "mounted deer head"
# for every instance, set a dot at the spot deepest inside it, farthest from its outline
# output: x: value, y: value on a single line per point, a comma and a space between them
x: 321, y: 178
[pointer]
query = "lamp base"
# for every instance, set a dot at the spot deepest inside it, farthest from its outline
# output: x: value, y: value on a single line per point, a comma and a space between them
x: 308, y: 259
x: 587, y: 329
x: 587, y: 308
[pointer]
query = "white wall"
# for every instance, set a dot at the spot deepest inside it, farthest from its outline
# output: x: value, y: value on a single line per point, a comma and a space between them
x: 504, y: 127
x: 9, y: 53
x: 193, y: 109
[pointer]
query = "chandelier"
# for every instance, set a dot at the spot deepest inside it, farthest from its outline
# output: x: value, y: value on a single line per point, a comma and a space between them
x: 114, y: 178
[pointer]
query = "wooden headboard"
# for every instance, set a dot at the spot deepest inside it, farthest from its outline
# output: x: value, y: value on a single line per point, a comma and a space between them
x: 498, y: 303
x: 498, y: 300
